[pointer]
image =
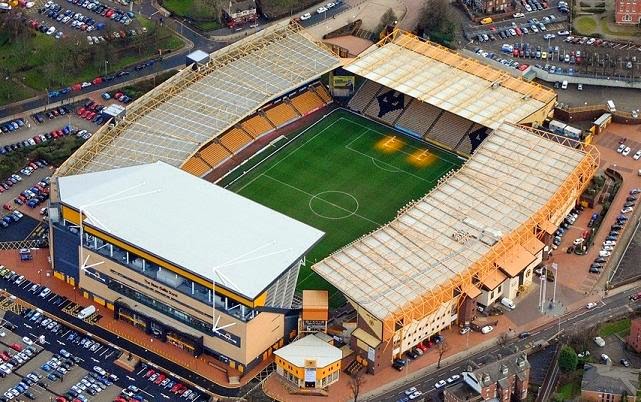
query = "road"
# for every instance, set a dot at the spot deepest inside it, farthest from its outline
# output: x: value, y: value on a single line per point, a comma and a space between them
x: 611, y: 306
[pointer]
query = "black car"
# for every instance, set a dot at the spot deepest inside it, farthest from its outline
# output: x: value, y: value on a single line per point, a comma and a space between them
x: 524, y: 335
x: 594, y: 270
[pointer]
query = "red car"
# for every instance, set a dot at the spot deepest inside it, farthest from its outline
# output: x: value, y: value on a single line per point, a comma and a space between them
x: 91, y: 115
x: 16, y: 347
x: 515, y: 53
x: 7, y: 206
x: 85, y: 114
x: 175, y: 387
x: 149, y: 374
x: 61, y: 399
x: 76, y: 87
x: 110, y: 12
x: 160, y: 379
x: 81, y: 111
x: 118, y: 94
x: 37, y: 139
x: 97, y: 80
x: 5, y: 356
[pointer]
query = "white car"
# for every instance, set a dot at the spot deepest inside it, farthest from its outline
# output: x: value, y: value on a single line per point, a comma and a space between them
x: 604, y: 253
x: 621, y: 148
x: 99, y: 370
x: 321, y: 9
x: 415, y: 395
x: 583, y: 354
x: 410, y: 391
x: 305, y: 16
x: 440, y: 384
x: 464, y: 330
x: 626, y: 151
x: 578, y: 241
x: 518, y: 15
x: 27, y: 341
x: 563, y: 33
x: 85, y: 84
x: 29, y: 4
x: 607, y: 248
x: 330, y: 5
x: 51, y: 30
x: 487, y: 329
x: 610, y: 243
x: 599, y: 341
x: 590, y: 306
x: 528, y: 8
x: 637, y: 155
x: 453, y: 378
x: 626, y: 210
x: 605, y: 357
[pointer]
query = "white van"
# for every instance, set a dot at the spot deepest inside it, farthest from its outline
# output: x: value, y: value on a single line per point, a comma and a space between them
x: 611, y: 107
x: 508, y: 303
x: 564, y: 85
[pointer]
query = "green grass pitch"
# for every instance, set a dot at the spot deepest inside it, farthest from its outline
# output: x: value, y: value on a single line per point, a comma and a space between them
x: 345, y: 175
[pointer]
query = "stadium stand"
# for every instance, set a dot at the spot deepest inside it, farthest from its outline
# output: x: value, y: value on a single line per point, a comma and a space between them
x: 364, y: 96
x: 449, y: 129
x: 256, y: 126
x: 472, y: 139
x: 281, y: 114
x: 322, y: 92
x: 214, y: 154
x: 196, y: 166
x: 388, y: 105
x: 418, y: 117
x: 307, y: 102
x: 235, y: 139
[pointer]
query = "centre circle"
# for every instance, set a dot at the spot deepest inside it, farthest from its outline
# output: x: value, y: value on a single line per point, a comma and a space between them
x: 333, y: 204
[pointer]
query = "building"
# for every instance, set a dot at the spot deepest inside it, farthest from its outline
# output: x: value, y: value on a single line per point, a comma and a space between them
x: 315, y: 312
x: 240, y: 12
x: 627, y: 12
x: 606, y: 382
x: 634, y: 339
x: 504, y: 380
x: 217, y: 277
x: 310, y: 362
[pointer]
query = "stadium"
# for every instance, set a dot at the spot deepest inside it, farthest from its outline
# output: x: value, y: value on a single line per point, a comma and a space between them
x: 410, y: 165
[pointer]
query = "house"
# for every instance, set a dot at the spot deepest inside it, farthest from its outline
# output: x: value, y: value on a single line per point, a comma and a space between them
x: 604, y: 382
x: 627, y: 12
x: 504, y: 380
x: 240, y: 12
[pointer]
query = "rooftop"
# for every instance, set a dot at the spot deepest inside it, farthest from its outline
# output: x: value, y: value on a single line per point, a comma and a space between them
x: 511, y: 177
x: 191, y: 108
x: 247, y: 244
x: 610, y: 379
x: 310, y: 348
x: 450, y: 81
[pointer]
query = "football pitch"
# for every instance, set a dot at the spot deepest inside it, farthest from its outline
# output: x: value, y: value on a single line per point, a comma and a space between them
x: 344, y: 175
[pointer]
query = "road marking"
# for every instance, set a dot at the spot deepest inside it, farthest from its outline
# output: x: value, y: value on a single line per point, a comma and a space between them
x: 61, y: 343
x: 28, y: 326
x: 138, y: 373
x: 131, y: 378
x: 106, y: 357
x: 104, y: 351
x: 97, y: 361
x: 164, y: 396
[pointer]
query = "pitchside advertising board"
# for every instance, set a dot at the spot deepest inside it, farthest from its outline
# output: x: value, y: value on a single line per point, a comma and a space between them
x: 342, y: 85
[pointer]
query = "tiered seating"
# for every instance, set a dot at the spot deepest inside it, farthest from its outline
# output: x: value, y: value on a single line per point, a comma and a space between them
x: 477, y: 134
x: 214, y: 154
x: 257, y: 126
x: 281, y: 114
x: 364, y: 96
x: 235, y: 139
x: 322, y: 92
x: 374, y: 108
x: 418, y: 117
x: 449, y: 129
x: 196, y: 166
x: 307, y: 102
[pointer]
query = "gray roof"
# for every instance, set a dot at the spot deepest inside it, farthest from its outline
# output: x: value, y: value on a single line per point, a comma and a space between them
x: 610, y: 379
x: 174, y: 120
x: 513, y: 364
x: 148, y: 206
x: 510, y: 177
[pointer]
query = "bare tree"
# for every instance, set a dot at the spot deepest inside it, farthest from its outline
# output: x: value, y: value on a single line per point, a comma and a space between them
x: 442, y: 348
x: 356, y: 379
x: 502, y: 339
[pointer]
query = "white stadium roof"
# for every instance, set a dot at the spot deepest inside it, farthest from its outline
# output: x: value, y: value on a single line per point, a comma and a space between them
x: 511, y: 176
x: 171, y: 122
x: 310, y: 348
x: 148, y: 206
x: 450, y: 81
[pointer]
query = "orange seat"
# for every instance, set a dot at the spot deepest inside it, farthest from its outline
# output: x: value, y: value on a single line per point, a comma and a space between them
x: 281, y: 114
x: 257, y: 126
x: 196, y: 166
x: 235, y: 139
x: 307, y: 101
x: 214, y: 154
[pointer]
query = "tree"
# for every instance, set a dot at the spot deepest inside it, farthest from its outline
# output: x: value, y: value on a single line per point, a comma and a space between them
x: 568, y: 359
x: 356, y: 379
x: 388, y: 18
x: 502, y: 339
x: 436, y: 22
x: 442, y: 348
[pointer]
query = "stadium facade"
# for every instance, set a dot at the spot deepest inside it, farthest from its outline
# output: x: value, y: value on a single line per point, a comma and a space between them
x: 162, y: 268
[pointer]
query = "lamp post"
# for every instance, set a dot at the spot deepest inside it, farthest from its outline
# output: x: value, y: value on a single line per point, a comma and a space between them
x: 106, y: 62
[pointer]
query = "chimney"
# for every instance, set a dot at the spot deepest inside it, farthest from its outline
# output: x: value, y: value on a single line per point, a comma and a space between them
x: 486, y: 378
x: 504, y: 369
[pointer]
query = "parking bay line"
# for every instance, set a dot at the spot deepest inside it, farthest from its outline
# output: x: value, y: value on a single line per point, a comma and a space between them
x: 104, y: 351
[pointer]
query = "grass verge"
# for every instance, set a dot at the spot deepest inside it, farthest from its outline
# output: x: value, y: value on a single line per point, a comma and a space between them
x: 621, y: 327
x: 585, y: 25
